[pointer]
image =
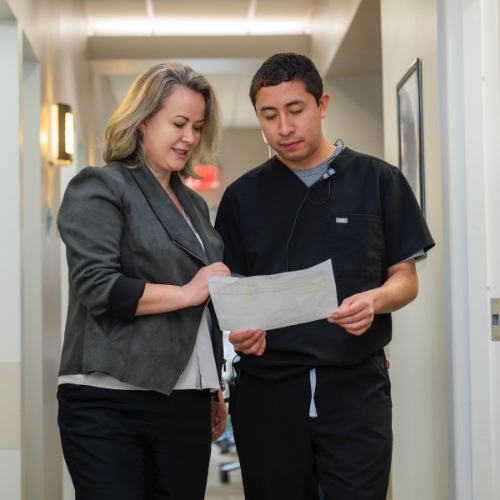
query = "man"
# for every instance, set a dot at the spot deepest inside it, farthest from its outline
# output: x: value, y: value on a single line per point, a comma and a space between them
x: 312, y: 402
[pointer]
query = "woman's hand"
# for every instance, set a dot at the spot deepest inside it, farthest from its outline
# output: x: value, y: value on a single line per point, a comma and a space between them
x: 165, y: 298
x: 219, y: 417
x: 249, y: 341
x: 196, y: 291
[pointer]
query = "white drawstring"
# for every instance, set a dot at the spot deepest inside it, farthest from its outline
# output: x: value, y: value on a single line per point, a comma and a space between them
x: 312, y: 409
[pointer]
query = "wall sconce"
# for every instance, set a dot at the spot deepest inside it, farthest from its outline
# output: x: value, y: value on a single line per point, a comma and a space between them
x: 63, y: 134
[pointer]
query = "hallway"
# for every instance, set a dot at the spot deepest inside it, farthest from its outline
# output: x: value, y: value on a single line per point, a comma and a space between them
x: 445, y: 351
x: 217, y: 490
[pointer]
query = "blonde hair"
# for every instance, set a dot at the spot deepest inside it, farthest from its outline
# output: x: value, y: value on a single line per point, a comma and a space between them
x: 146, y: 96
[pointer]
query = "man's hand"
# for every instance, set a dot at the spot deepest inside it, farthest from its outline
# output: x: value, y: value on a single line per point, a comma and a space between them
x: 249, y: 341
x: 356, y: 313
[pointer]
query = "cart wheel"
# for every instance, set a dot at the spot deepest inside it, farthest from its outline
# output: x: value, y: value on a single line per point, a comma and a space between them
x: 224, y: 476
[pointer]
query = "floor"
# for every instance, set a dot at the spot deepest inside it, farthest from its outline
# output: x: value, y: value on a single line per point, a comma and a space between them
x: 218, y: 490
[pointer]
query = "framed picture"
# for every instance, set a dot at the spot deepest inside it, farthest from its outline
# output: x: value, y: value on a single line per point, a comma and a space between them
x: 411, y: 148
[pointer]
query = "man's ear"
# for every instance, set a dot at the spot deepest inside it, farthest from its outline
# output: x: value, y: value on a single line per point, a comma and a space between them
x: 324, y: 101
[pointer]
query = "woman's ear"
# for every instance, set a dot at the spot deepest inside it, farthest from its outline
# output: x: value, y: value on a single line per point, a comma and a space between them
x: 142, y: 126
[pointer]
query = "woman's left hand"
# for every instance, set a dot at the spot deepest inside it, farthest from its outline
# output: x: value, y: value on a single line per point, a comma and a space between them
x: 219, y: 417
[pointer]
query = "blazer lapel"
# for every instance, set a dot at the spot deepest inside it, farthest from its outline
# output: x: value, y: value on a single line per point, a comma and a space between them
x: 200, y: 219
x: 171, y: 219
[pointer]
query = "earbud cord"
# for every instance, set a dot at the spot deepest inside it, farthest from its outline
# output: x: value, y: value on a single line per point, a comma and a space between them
x: 326, y: 176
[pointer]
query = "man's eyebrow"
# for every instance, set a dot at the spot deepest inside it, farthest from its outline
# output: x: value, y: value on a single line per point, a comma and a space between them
x: 287, y: 105
x: 267, y: 108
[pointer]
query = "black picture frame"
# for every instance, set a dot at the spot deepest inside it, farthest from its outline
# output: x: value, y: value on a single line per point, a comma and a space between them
x: 410, y: 130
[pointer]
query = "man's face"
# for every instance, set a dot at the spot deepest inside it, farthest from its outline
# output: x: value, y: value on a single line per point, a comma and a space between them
x: 291, y: 122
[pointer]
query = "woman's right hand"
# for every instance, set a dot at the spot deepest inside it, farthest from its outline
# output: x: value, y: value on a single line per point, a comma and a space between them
x: 196, y: 291
x: 159, y: 298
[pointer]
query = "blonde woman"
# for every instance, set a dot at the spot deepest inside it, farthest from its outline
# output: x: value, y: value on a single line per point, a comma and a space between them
x: 139, y: 380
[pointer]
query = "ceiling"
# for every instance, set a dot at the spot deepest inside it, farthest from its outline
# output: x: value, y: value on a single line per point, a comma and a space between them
x: 226, y: 40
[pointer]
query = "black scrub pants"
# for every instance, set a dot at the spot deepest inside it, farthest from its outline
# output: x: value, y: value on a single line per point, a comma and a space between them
x: 346, y: 449
x: 135, y: 445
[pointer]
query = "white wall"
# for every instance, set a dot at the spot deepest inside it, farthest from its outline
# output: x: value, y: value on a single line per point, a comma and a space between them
x: 33, y: 227
x: 469, y: 82
x: 43, y: 61
x: 419, y: 350
x: 10, y: 262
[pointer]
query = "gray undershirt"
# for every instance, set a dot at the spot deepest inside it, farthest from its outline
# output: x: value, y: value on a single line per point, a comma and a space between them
x: 311, y: 175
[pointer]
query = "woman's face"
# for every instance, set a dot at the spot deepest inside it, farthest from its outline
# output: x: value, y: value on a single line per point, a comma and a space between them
x: 171, y: 135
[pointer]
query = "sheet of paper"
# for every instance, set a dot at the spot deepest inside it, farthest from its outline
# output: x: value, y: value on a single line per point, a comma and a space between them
x: 275, y: 300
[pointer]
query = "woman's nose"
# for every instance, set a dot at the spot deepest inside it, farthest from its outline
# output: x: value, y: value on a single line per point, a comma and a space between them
x: 188, y: 135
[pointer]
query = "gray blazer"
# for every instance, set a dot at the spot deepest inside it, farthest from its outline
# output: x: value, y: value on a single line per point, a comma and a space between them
x: 119, y: 224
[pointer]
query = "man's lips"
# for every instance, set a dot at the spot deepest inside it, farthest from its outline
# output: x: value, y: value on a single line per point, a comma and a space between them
x: 290, y: 145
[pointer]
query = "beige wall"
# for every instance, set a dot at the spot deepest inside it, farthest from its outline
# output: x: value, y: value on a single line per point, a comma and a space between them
x: 418, y: 350
x: 331, y: 21
x: 241, y: 150
x: 355, y: 113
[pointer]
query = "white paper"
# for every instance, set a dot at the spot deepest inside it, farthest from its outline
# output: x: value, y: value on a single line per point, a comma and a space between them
x: 275, y: 300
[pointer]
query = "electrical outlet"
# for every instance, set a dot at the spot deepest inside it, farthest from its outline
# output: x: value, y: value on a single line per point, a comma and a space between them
x: 495, y: 320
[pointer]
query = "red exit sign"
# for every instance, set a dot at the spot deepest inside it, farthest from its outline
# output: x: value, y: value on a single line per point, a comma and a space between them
x: 209, y: 180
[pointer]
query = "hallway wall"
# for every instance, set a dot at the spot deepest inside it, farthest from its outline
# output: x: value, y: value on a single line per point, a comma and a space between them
x: 355, y: 113
x: 43, y: 61
x: 241, y: 149
x: 418, y: 350
x: 10, y: 265
x: 470, y: 114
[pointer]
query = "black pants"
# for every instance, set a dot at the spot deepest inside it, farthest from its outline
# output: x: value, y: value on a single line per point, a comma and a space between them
x: 135, y: 445
x: 285, y: 454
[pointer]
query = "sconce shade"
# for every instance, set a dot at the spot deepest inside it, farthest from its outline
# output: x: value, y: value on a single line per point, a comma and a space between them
x: 63, y: 134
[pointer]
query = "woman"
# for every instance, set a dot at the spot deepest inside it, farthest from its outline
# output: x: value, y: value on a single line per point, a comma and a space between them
x: 140, y: 368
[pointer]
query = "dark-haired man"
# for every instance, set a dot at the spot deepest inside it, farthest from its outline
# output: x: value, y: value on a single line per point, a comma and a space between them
x: 312, y: 402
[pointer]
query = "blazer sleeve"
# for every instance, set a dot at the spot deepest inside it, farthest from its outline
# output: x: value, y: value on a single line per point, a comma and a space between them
x: 90, y: 221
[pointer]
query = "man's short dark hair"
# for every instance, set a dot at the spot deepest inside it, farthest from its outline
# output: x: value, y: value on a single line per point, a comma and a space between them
x: 287, y: 67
